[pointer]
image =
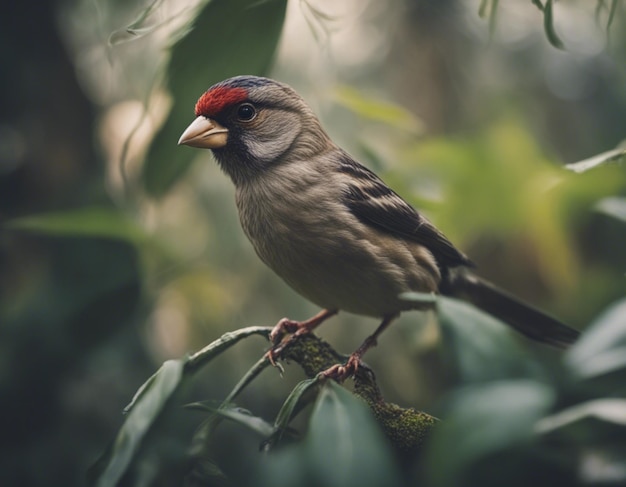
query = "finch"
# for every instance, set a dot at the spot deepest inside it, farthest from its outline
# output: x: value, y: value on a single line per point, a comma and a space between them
x: 330, y: 227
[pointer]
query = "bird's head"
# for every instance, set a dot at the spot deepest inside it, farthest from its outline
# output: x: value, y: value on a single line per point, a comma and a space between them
x: 252, y: 123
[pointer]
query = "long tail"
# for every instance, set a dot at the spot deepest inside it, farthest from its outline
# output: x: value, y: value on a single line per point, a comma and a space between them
x: 522, y: 317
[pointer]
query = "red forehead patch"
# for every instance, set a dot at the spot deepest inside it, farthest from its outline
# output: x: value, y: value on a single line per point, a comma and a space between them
x: 215, y: 100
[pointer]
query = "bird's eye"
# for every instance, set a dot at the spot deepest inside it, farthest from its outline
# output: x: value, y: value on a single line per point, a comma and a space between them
x: 246, y: 112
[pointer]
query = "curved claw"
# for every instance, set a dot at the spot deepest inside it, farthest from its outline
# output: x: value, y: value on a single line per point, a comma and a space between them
x: 340, y: 372
x: 282, y: 328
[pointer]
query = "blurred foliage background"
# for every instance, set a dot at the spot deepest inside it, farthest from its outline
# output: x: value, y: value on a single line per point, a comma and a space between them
x: 119, y: 250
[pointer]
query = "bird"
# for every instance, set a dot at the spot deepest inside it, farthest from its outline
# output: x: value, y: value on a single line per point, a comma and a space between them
x: 330, y: 227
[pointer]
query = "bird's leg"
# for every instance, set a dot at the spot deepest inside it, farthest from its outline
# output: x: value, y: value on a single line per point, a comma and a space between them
x: 295, y: 328
x: 342, y: 372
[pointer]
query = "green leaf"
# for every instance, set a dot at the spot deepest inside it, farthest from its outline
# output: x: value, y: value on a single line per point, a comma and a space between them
x: 238, y: 415
x: 343, y: 447
x: 615, y: 156
x: 226, y: 341
x: 142, y: 414
x: 602, y: 347
x: 378, y: 111
x: 482, y: 9
x: 478, y: 346
x: 612, y: 11
x: 613, y: 206
x: 609, y: 410
x: 201, y: 439
x: 83, y: 222
x: 548, y: 25
x: 252, y: 373
x: 286, y: 411
x: 480, y: 422
x: 346, y: 444
x: 228, y: 38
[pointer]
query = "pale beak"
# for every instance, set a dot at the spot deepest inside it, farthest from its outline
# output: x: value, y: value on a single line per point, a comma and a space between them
x: 204, y: 133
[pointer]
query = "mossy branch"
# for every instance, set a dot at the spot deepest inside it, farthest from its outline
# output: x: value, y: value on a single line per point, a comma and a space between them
x: 406, y: 428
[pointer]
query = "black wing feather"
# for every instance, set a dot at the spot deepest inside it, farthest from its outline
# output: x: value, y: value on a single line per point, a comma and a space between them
x: 374, y: 203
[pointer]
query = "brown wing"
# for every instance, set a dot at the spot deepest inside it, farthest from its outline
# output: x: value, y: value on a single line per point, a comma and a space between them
x: 372, y: 202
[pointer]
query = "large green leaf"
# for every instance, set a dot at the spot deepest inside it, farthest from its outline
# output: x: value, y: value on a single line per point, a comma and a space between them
x: 82, y: 222
x: 346, y: 444
x: 479, y: 347
x: 149, y: 401
x: 481, y: 422
x: 142, y: 413
x: 228, y: 38
x: 344, y: 447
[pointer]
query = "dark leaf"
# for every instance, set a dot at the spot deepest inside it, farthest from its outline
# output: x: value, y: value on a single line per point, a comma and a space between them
x: 345, y: 444
x: 238, y: 415
x: 83, y: 222
x: 142, y: 413
x: 228, y: 38
x: 478, y: 346
x: 480, y: 422
x: 226, y: 341
x: 343, y: 447
x: 252, y: 373
x: 286, y: 411
x: 548, y: 25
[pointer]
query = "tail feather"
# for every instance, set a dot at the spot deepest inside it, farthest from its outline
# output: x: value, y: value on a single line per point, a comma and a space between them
x: 522, y: 317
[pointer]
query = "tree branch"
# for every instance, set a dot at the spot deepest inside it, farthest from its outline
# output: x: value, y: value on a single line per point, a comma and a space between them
x: 406, y: 428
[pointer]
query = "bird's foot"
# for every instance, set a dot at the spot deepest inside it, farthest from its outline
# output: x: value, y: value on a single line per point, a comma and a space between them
x: 295, y: 329
x: 341, y: 372
x: 278, y: 337
x: 282, y: 328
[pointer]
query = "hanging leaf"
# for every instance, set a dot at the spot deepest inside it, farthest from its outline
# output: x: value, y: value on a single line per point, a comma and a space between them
x: 238, y: 415
x: 548, y: 25
x: 612, y: 11
x: 289, y: 406
x: 228, y: 38
x: 83, y: 222
x: 142, y: 414
x: 615, y: 156
x: 227, y: 340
